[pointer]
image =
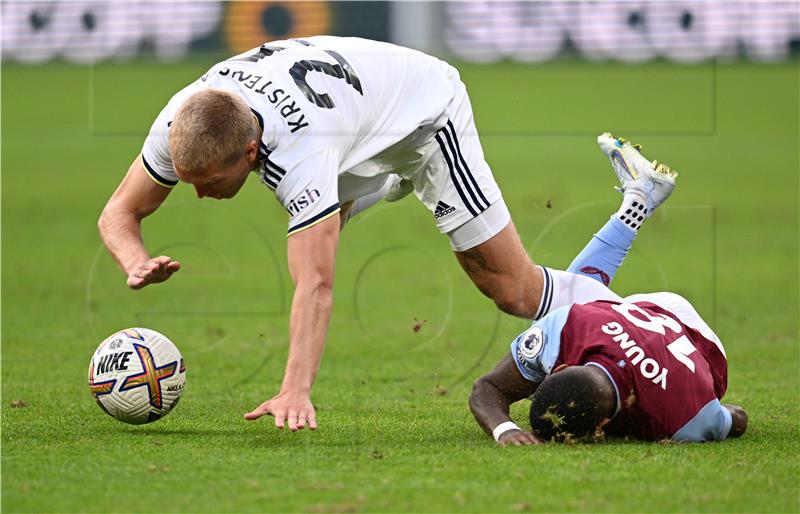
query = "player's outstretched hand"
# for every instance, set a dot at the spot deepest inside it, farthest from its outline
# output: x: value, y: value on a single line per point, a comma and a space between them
x: 157, y: 269
x: 517, y: 438
x: 289, y: 407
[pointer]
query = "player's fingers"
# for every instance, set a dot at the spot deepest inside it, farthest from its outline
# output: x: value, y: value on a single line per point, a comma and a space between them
x: 301, y: 420
x: 252, y: 415
x: 152, y: 276
x: 312, y: 420
x: 259, y: 411
x: 292, y: 419
x: 173, y: 266
x: 159, y: 273
x: 280, y: 420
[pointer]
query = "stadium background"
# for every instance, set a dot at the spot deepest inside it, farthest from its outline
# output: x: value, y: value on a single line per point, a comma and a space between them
x: 709, y: 87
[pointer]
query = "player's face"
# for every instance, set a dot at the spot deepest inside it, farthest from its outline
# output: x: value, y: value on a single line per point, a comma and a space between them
x: 224, y: 181
x: 221, y: 182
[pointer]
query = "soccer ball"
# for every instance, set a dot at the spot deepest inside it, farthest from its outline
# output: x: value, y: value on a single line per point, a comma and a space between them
x: 137, y: 375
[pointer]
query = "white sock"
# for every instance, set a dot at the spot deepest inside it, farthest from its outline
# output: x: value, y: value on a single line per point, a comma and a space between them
x: 633, y: 211
x: 563, y: 288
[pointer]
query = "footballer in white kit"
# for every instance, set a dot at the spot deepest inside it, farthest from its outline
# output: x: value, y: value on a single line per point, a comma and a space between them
x: 332, y: 125
x: 338, y: 115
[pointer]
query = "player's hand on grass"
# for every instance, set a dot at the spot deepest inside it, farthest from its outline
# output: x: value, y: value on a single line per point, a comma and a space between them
x: 292, y: 408
x: 517, y: 438
x: 152, y: 271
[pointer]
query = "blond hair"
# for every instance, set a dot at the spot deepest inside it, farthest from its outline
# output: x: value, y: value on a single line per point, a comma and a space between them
x: 211, y: 128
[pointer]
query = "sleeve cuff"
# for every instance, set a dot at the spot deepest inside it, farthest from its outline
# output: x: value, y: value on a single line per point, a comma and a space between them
x: 158, y: 179
x: 327, y: 213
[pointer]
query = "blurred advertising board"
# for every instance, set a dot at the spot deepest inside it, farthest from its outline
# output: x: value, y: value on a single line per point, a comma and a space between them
x: 628, y: 31
x: 92, y: 31
x: 484, y: 31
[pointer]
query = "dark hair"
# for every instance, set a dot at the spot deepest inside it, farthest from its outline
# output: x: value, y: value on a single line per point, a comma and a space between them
x: 569, y: 405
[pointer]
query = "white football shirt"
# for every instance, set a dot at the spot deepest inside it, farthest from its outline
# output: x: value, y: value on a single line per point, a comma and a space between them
x: 338, y: 115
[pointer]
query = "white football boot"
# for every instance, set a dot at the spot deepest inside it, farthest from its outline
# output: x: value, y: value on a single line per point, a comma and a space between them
x: 652, y: 181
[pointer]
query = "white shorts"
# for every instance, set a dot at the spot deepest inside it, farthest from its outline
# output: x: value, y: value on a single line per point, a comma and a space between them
x: 454, y: 182
x: 481, y: 228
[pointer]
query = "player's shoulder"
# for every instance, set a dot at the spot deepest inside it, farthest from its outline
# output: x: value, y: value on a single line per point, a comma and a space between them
x: 536, y: 350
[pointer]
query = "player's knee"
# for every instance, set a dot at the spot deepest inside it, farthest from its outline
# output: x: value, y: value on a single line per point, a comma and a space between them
x: 514, y: 303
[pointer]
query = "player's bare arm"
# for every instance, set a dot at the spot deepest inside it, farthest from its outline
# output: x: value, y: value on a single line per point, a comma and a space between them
x: 137, y: 197
x: 739, y: 420
x: 312, y: 258
x: 491, y: 396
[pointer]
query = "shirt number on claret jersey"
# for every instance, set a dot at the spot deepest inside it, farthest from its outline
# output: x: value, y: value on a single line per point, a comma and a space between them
x: 300, y: 69
x: 681, y: 348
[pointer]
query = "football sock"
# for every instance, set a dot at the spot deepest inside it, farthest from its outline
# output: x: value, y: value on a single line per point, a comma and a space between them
x: 633, y: 211
x: 588, y: 276
x: 564, y: 288
x: 603, y: 256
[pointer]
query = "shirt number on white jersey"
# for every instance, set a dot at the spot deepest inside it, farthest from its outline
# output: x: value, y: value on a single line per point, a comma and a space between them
x: 680, y: 348
x: 299, y: 70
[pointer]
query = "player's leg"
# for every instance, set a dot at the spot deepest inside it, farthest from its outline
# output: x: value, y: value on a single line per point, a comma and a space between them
x: 644, y: 185
x: 460, y: 190
x: 500, y: 267
x: 457, y: 186
x: 503, y: 271
x: 497, y: 263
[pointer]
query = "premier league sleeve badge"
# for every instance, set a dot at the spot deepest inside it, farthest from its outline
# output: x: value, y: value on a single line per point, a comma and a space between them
x: 531, y: 344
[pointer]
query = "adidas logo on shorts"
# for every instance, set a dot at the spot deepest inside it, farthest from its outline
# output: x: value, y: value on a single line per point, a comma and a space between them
x: 442, y: 209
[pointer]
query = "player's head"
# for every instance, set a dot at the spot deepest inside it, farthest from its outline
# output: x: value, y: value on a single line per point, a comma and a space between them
x: 571, y: 403
x: 213, y: 142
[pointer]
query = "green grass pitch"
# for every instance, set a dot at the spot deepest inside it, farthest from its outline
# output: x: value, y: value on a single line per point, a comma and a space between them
x: 395, y: 432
